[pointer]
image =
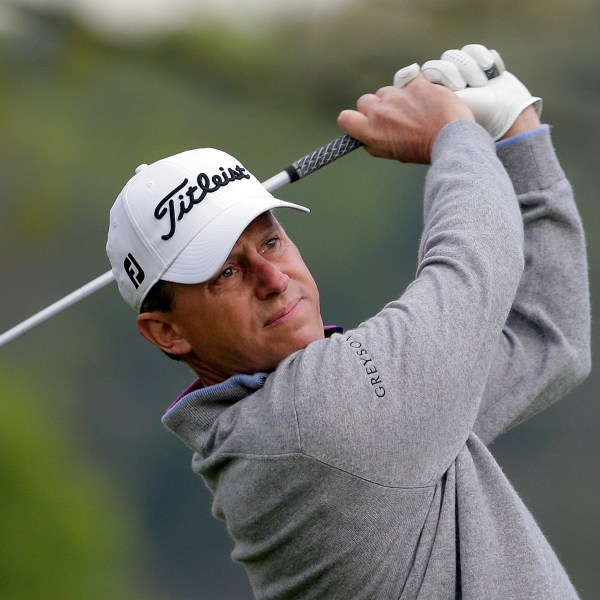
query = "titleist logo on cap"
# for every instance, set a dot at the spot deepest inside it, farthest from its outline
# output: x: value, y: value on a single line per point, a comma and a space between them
x: 195, y: 194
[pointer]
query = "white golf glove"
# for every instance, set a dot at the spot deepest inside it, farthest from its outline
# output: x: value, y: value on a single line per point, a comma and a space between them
x: 478, y: 76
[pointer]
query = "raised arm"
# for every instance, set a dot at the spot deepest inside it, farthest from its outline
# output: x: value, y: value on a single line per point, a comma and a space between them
x: 404, y: 387
x: 544, y: 350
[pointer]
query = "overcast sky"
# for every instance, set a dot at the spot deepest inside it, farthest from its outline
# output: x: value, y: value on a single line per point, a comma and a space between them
x: 146, y: 15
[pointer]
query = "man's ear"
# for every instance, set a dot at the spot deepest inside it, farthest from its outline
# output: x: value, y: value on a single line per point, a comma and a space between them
x: 157, y: 328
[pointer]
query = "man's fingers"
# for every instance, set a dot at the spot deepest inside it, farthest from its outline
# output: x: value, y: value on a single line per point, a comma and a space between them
x: 472, y: 73
x: 354, y: 123
x: 489, y: 60
x: 366, y: 101
x: 444, y: 73
x: 405, y: 75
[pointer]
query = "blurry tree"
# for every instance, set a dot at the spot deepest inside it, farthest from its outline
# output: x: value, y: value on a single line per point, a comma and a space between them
x: 65, y: 532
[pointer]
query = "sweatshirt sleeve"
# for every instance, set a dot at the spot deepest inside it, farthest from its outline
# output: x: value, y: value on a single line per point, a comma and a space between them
x: 544, y: 349
x: 395, y: 399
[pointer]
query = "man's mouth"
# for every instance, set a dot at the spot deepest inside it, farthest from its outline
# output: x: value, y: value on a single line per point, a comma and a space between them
x: 283, y: 315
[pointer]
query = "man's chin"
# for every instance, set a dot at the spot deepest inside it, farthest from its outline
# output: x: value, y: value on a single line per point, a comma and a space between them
x: 302, y: 341
x: 288, y: 343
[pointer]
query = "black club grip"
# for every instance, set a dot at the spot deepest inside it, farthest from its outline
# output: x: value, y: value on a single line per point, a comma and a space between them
x: 322, y: 156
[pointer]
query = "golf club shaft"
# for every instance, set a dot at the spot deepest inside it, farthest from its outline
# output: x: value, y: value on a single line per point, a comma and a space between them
x: 58, y: 306
x: 303, y: 166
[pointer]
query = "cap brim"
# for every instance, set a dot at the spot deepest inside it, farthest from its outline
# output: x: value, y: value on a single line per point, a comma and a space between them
x: 201, y: 259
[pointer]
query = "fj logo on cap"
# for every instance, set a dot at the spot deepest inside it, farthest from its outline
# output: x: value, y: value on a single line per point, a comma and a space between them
x: 195, y: 194
x: 133, y: 270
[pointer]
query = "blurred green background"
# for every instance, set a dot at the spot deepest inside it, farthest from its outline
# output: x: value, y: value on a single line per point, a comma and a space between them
x: 97, y: 500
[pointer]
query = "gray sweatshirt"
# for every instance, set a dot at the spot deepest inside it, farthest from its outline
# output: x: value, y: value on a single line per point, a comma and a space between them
x: 358, y: 469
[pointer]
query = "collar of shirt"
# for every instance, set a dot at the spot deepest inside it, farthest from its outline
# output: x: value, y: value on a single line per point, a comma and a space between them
x: 235, y: 387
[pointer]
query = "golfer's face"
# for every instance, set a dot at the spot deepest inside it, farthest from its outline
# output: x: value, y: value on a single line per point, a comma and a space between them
x: 262, y: 306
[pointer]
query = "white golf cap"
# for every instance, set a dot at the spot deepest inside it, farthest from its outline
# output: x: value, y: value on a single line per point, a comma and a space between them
x: 178, y: 219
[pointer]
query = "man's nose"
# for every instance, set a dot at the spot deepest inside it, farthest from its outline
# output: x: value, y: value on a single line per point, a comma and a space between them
x: 269, y: 278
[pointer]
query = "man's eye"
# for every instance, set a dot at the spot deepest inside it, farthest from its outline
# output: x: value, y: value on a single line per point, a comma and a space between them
x: 228, y: 272
x: 272, y: 243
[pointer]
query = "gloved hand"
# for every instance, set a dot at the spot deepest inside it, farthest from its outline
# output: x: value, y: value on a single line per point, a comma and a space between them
x: 478, y: 76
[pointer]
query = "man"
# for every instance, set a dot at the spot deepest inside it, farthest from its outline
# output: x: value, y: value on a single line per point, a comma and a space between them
x: 354, y: 464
